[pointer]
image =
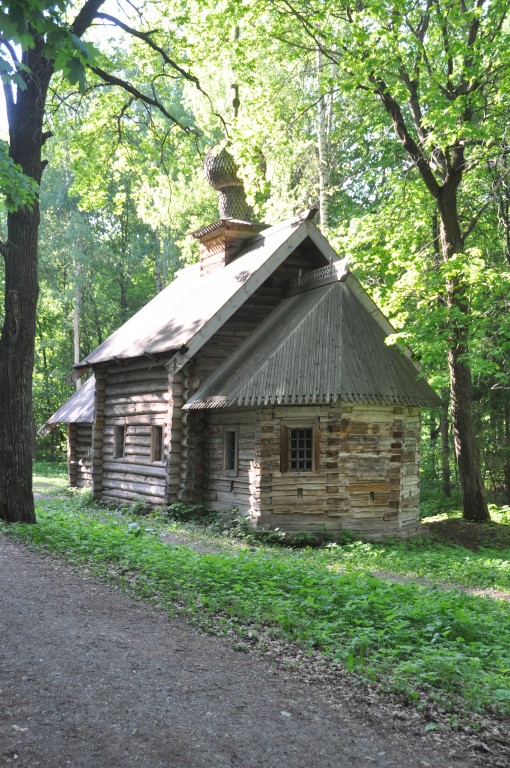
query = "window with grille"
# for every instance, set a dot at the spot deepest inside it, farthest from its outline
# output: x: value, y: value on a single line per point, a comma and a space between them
x: 299, y: 449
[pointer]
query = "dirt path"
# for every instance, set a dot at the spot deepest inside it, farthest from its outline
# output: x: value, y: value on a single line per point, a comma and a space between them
x: 90, y: 678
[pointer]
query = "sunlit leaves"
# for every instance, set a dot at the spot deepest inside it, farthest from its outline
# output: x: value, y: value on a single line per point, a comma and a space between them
x: 23, y: 23
x: 16, y: 188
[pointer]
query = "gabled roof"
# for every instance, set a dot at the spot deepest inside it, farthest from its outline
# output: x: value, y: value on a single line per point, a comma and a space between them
x: 317, y: 346
x: 78, y: 409
x: 194, y: 306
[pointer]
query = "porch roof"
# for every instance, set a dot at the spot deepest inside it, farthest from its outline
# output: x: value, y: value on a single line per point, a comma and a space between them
x: 78, y: 409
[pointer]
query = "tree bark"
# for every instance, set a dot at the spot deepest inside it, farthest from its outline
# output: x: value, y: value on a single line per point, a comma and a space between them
x: 464, y: 435
x: 445, y: 445
x: 21, y: 292
x: 452, y: 244
x: 506, y: 468
x: 76, y: 318
x: 322, y: 146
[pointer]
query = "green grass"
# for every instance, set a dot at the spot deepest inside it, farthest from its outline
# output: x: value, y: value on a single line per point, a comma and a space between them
x: 424, y: 642
x: 438, y: 564
x: 50, y: 475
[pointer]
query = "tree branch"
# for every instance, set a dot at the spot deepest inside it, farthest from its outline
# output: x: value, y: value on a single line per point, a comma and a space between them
x: 7, y: 84
x: 113, y: 80
x: 146, y: 37
x: 86, y: 16
x: 402, y: 131
x: 446, y: 41
x: 10, y: 104
x: 11, y: 50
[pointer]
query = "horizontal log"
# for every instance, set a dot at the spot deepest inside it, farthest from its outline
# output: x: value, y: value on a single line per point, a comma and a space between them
x: 136, y: 430
x: 117, y: 495
x: 133, y: 400
x: 135, y: 477
x: 127, y: 411
x: 132, y: 420
x: 82, y: 482
x: 285, y: 509
x: 139, y: 364
x: 137, y: 454
x: 151, y: 470
x: 134, y: 388
x: 138, y: 440
x: 141, y: 489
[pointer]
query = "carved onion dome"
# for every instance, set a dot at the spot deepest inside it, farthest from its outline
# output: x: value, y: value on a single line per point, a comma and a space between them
x: 221, y: 172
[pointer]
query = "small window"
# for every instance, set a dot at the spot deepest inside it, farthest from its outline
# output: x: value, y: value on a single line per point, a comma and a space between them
x: 156, y: 442
x: 230, y: 449
x: 119, y: 441
x: 299, y: 448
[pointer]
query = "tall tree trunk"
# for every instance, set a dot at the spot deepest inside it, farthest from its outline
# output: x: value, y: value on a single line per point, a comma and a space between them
x: 445, y: 395
x: 158, y: 258
x: 445, y: 445
x: 76, y: 320
x: 21, y: 291
x: 506, y: 468
x: 464, y: 436
x: 322, y: 145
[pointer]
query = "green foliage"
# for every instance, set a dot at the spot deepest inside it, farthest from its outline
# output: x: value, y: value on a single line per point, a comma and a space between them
x: 16, y: 189
x: 181, y: 512
x: 44, y: 470
x: 429, y: 560
x: 22, y: 23
x: 424, y: 642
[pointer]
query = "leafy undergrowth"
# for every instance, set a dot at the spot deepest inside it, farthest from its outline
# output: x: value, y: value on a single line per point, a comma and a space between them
x: 423, y: 642
x: 431, y: 559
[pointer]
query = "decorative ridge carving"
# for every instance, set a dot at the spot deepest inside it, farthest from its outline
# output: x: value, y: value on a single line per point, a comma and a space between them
x: 332, y: 272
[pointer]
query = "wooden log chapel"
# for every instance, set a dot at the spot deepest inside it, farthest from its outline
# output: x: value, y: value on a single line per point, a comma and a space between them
x: 260, y: 379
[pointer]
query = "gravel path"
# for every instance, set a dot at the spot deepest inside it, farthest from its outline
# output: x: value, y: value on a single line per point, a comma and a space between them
x: 91, y: 678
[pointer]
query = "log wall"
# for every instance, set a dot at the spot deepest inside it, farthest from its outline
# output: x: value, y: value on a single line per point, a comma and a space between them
x: 302, y: 501
x: 366, y: 479
x: 98, y: 433
x: 193, y: 450
x: 410, y: 472
x: 136, y: 397
x: 224, y: 489
x: 79, y: 455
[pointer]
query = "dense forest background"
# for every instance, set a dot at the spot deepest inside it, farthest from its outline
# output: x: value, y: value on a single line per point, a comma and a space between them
x: 294, y: 92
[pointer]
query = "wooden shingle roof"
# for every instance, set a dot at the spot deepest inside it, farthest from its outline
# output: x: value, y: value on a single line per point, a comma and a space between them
x: 78, y: 409
x: 325, y: 342
x: 318, y: 346
x: 194, y: 306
